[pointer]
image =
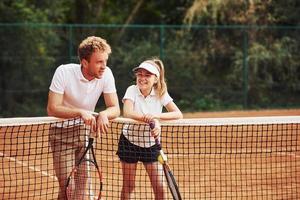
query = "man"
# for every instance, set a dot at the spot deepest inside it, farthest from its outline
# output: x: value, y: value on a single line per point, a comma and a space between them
x: 74, y: 92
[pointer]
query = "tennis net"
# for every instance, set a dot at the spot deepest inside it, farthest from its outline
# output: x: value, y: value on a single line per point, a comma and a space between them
x: 214, y: 158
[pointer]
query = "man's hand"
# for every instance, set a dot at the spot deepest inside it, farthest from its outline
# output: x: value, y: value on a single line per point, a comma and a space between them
x: 89, y: 119
x: 102, y: 123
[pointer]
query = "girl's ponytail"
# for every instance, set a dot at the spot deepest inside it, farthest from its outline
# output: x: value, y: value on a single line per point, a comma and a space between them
x: 161, y: 86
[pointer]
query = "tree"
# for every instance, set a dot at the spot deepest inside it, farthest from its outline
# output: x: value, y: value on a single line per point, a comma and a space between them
x: 268, y: 50
x: 28, y: 55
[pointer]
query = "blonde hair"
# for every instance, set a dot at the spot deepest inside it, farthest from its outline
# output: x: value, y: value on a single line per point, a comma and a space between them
x: 161, y: 85
x: 90, y: 45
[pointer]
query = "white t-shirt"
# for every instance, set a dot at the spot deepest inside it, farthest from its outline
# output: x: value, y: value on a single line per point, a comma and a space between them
x: 78, y: 91
x: 152, y: 104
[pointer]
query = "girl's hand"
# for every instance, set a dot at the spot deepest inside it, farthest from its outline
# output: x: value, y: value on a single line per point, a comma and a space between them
x: 148, y: 118
x: 156, y: 131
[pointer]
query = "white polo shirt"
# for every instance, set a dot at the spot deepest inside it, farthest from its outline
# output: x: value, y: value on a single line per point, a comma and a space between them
x: 78, y: 91
x: 152, y: 104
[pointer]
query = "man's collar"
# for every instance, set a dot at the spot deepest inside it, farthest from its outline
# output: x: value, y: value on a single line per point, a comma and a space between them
x: 82, y: 78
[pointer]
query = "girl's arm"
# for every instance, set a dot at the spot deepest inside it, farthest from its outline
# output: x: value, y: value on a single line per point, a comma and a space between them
x: 173, y: 112
x: 128, y: 111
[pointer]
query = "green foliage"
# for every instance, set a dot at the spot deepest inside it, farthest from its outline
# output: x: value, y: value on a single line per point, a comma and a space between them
x: 26, y: 57
x: 272, y: 66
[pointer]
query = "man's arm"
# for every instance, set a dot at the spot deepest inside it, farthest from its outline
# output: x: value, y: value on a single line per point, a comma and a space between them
x: 112, y: 105
x: 56, y: 108
x: 112, y: 111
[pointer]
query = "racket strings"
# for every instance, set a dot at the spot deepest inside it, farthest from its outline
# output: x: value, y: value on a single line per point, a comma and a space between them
x: 84, y: 182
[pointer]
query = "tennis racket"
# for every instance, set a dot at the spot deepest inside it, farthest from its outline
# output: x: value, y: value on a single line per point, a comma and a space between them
x: 162, y: 158
x: 85, y: 179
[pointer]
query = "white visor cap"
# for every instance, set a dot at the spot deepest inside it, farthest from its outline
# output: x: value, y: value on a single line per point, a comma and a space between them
x: 149, y: 67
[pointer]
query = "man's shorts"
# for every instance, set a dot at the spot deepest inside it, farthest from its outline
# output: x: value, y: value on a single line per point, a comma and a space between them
x: 74, y: 136
x: 131, y: 153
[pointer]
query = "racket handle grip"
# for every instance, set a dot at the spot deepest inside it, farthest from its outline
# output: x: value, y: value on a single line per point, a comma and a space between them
x: 152, y: 125
x: 157, y: 142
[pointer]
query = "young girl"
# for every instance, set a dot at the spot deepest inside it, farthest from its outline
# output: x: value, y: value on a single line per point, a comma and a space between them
x: 144, y: 102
